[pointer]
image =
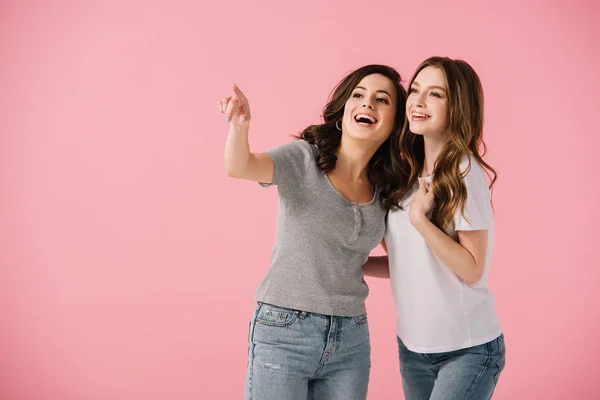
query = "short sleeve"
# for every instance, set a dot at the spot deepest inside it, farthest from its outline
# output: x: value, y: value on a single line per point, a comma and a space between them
x: 290, y: 163
x: 478, y: 207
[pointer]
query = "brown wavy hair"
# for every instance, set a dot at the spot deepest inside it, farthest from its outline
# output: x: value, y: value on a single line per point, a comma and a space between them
x: 381, y: 170
x: 465, y: 108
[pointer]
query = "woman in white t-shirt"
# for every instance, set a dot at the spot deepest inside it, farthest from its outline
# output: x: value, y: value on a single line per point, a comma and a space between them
x: 439, y: 241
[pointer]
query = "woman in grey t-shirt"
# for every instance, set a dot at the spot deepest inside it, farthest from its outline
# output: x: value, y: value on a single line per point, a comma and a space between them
x: 309, y: 334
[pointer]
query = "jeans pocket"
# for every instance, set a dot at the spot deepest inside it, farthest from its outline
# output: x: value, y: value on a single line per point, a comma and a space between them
x: 272, y: 315
x: 360, y: 319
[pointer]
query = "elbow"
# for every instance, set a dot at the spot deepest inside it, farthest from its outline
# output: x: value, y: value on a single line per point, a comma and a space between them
x: 472, y: 280
x: 231, y: 170
x: 236, y: 168
x: 475, y: 276
x: 231, y: 173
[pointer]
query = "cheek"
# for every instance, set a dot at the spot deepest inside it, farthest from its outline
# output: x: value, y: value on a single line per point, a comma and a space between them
x: 442, y: 110
x: 346, y: 116
x: 443, y: 115
x: 390, y: 117
x: 348, y: 109
x: 408, y: 106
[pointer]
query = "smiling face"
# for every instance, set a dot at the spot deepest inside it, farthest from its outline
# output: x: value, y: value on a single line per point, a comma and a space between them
x: 370, y: 111
x: 427, y: 104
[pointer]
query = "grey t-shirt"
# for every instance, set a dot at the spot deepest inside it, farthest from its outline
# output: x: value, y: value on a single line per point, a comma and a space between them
x: 321, y: 239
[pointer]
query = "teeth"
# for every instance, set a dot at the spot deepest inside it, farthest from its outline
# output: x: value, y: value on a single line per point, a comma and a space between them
x: 417, y: 114
x: 366, y: 116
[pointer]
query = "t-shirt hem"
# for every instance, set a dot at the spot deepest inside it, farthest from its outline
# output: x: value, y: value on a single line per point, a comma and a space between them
x: 452, y: 347
x: 312, y: 308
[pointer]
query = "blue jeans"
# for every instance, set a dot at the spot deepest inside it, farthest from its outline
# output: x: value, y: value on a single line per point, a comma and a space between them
x: 296, y: 355
x: 470, y: 373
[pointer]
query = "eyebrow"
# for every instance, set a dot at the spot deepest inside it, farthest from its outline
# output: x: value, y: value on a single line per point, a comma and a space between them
x: 431, y: 87
x: 379, y: 91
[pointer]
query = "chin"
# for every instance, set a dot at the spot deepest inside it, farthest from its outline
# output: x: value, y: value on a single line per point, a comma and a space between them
x: 362, y: 137
x: 417, y: 131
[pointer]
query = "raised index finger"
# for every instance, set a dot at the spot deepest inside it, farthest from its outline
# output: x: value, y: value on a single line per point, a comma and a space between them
x: 239, y: 93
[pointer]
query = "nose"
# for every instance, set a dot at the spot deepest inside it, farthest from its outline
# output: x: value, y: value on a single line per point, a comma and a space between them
x: 367, y: 103
x: 419, y: 99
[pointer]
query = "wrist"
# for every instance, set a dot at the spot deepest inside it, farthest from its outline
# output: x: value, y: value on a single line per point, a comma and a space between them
x: 239, y: 127
x: 418, y: 218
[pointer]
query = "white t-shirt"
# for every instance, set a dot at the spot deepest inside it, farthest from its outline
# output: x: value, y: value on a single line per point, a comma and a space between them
x: 437, y: 311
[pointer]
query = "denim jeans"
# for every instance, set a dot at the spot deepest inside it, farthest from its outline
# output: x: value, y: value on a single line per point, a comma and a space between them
x: 297, y: 355
x: 470, y: 373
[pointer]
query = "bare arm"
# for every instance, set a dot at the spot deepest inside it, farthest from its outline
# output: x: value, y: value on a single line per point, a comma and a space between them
x: 239, y: 161
x: 378, y: 266
x: 384, y: 246
x: 465, y: 258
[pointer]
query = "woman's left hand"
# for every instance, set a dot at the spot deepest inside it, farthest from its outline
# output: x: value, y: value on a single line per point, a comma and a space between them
x: 421, y: 203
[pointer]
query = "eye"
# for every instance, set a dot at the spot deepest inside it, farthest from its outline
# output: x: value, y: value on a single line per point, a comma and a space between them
x: 383, y: 100
x: 434, y: 94
x: 357, y: 95
x: 412, y: 90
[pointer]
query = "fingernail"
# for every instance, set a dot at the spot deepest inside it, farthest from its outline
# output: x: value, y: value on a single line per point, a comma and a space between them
x: 226, y: 119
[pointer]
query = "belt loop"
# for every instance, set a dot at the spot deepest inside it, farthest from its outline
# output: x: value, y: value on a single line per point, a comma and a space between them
x: 302, y: 315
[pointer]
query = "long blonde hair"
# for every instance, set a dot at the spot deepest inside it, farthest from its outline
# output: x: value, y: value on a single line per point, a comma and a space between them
x: 465, y: 108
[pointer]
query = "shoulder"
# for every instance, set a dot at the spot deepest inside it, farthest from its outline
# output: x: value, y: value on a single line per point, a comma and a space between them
x: 296, y: 149
x: 291, y: 161
x: 299, y: 147
x: 473, y: 173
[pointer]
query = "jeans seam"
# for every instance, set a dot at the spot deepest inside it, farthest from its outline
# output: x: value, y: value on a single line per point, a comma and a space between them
x: 335, y: 326
x: 501, y: 358
x: 251, y: 354
x: 487, y: 362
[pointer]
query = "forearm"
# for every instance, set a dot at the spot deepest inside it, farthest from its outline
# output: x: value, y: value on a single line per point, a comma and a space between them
x: 237, y: 150
x: 456, y: 257
x: 377, y: 267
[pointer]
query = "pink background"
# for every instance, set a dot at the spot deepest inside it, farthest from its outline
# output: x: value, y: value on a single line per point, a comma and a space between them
x: 128, y: 260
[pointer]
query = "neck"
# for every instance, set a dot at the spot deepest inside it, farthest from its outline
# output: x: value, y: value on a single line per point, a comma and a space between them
x: 433, y: 148
x: 353, y: 159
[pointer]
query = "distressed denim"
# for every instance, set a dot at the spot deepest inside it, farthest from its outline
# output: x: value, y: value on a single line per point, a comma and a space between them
x: 297, y: 355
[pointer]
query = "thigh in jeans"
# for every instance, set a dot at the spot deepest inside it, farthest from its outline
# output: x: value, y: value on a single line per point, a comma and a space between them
x: 346, y: 365
x: 470, y: 373
x: 418, y: 373
x: 284, y: 352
